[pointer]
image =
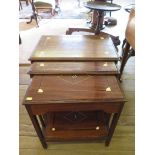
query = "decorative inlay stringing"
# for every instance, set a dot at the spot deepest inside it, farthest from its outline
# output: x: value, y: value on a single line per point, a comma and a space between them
x: 108, y: 89
x: 42, y: 64
x: 28, y: 98
x: 40, y: 90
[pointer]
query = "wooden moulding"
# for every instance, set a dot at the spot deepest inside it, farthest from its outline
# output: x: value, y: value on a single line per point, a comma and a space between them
x: 79, y: 68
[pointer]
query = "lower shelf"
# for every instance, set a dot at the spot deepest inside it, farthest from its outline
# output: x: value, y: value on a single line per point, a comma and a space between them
x: 62, y: 126
x: 75, y: 135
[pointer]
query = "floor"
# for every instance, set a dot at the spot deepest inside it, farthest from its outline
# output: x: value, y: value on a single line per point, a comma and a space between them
x: 123, y: 139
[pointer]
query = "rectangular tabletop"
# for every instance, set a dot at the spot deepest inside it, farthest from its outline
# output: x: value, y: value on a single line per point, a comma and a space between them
x: 52, y: 89
x: 74, y: 47
x: 59, y: 68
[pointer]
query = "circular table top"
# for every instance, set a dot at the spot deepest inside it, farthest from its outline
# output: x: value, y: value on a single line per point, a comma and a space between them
x: 102, y: 6
x: 129, y: 7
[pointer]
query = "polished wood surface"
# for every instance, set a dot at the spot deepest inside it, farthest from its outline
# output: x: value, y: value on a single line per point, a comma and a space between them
x: 30, y: 144
x: 123, y: 139
x: 74, y: 47
x: 76, y: 120
x: 59, y: 68
x: 78, y: 96
x: 75, y: 125
x: 73, y: 89
x: 99, y: 7
x: 102, y: 6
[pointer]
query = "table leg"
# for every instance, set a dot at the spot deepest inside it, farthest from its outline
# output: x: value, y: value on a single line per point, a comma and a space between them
x: 37, y: 127
x: 42, y: 121
x: 113, y: 125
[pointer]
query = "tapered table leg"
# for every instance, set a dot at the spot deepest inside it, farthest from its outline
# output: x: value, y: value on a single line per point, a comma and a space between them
x: 37, y: 127
x: 113, y: 125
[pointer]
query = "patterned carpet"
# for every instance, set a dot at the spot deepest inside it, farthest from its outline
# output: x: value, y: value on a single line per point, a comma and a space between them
x: 69, y: 9
x: 58, y: 25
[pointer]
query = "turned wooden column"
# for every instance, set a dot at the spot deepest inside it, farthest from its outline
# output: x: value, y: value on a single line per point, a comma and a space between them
x: 95, y: 17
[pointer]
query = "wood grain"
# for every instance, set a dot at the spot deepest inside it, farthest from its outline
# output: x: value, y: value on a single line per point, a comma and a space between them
x: 74, y: 47
x: 126, y: 144
x: 124, y: 130
x: 82, y: 68
x: 74, y: 89
x: 72, y: 152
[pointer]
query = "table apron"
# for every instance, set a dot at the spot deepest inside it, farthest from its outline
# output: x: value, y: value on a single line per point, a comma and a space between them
x: 40, y: 109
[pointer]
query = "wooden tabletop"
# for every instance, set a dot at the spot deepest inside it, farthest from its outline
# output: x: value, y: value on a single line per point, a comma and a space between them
x: 49, y: 89
x: 102, y: 6
x: 61, y: 68
x: 74, y: 47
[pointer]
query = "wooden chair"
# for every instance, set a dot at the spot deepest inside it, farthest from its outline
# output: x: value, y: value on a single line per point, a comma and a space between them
x: 128, y: 47
x: 20, y: 4
x: 41, y: 5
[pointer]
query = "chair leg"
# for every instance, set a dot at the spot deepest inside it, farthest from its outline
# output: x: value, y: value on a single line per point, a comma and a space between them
x: 27, y: 2
x: 20, y: 40
x: 20, y: 6
x: 124, y: 41
x: 110, y: 13
x: 78, y: 3
x: 34, y: 15
x: 125, y: 57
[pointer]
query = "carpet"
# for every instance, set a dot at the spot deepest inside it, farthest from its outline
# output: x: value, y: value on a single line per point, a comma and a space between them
x: 69, y: 9
x: 30, y: 34
x: 30, y: 37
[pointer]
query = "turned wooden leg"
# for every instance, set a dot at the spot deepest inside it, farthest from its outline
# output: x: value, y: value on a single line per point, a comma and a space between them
x: 41, y: 120
x: 37, y: 127
x: 98, y: 28
x: 124, y: 41
x: 125, y: 57
x: 113, y: 125
x: 34, y: 15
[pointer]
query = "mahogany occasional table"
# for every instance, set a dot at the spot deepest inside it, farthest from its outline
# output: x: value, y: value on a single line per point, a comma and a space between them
x: 74, y: 107
x: 74, y: 93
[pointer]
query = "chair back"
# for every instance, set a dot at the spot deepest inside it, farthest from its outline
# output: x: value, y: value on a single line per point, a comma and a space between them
x: 130, y: 29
